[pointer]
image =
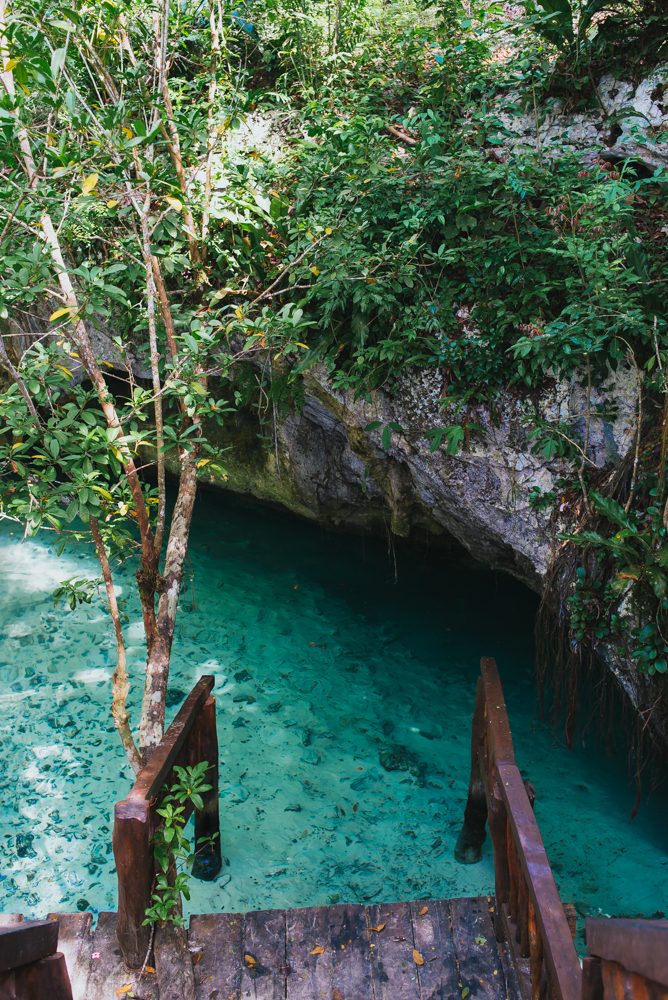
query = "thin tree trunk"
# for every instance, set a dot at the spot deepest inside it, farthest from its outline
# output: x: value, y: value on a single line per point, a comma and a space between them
x: 165, y: 308
x: 120, y: 685
x: 161, y: 33
x: 147, y: 573
x: 152, y: 722
x: 216, y: 30
x: 155, y: 373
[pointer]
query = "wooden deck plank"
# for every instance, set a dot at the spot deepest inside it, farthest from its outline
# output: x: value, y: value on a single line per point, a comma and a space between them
x: 310, y: 976
x: 218, y: 938
x: 475, y: 945
x: 394, y: 971
x: 264, y: 963
x: 76, y: 943
x: 173, y: 963
x: 513, y: 991
x: 351, y: 962
x: 432, y: 933
x: 106, y: 973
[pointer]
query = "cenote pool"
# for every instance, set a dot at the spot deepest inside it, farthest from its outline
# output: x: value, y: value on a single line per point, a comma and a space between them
x: 326, y: 670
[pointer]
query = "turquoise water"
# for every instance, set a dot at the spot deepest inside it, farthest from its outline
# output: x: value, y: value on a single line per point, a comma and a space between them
x: 329, y: 674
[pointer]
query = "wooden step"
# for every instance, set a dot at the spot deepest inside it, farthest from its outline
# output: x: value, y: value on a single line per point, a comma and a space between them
x: 420, y: 950
x: 426, y: 950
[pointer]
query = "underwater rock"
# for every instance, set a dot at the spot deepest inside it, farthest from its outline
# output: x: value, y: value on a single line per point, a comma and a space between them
x: 97, y: 855
x: 400, y: 758
x: 239, y: 722
x: 294, y: 808
x: 24, y: 847
x: 174, y: 697
x: 242, y: 676
x: 234, y: 794
x: 82, y: 904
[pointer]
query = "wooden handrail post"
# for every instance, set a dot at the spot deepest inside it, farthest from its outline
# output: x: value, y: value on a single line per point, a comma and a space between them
x: 468, y: 849
x: 135, y: 868
x: 203, y: 745
x: 498, y: 827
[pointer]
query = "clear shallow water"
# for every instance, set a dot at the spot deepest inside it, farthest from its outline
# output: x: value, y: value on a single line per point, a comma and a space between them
x: 326, y: 670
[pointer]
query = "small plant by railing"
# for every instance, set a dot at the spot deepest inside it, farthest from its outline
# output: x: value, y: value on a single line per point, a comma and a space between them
x: 149, y: 825
x: 171, y: 848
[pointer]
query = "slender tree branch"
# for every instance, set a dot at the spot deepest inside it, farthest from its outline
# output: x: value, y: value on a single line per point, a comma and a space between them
x: 17, y: 378
x: 120, y: 684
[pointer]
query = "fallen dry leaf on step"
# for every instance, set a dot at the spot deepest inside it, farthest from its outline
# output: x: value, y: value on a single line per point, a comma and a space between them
x: 250, y: 960
x: 197, y: 958
x: 124, y: 989
x: 317, y: 950
x: 380, y: 927
x: 417, y: 957
x: 337, y: 994
x: 149, y: 968
x: 423, y: 911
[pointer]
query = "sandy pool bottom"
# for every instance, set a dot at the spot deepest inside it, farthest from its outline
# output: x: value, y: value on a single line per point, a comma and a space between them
x: 344, y: 706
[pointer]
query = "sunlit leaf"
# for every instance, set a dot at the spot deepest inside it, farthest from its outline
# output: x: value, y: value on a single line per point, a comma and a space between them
x: 89, y: 183
x: 60, y: 312
x: 175, y: 204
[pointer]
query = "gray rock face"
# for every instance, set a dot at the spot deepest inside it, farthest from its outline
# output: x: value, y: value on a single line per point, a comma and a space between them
x: 334, y: 472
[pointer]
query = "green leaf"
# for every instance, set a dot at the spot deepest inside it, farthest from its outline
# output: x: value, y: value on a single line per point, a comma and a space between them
x: 658, y: 580
x: 57, y: 62
x: 611, y: 509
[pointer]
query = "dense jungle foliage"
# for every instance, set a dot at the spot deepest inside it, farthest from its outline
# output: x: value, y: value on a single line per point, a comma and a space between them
x: 162, y: 265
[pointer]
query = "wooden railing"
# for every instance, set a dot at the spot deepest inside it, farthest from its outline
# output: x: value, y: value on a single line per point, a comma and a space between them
x: 626, y: 960
x: 529, y: 914
x: 31, y: 967
x: 190, y: 739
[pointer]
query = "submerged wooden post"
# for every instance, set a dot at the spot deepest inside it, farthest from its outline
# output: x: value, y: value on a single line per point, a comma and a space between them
x: 468, y: 849
x: 190, y: 739
x: 203, y: 745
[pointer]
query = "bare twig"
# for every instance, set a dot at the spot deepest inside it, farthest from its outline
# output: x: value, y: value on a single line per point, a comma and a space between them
x: 17, y: 378
x: 285, y: 270
x: 627, y: 505
x: 402, y: 136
